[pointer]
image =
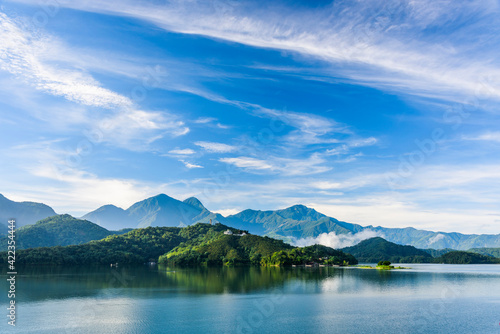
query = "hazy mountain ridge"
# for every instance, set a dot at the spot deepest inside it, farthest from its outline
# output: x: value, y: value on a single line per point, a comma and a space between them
x: 297, y: 221
x: 437, y: 240
x: 59, y: 230
x: 25, y: 213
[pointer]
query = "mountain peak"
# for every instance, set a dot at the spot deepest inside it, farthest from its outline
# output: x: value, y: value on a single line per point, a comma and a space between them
x: 300, y: 212
x: 161, y: 197
x: 25, y: 213
x: 194, y: 202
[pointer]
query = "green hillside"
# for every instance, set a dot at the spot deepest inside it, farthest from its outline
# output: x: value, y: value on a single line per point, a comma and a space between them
x: 460, y: 257
x: 215, y: 248
x: 378, y: 249
x: 59, y: 230
x: 495, y: 252
x: 200, y: 244
x: 438, y: 252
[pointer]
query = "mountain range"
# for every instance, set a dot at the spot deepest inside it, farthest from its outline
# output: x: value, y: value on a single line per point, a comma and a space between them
x: 59, y: 230
x: 290, y: 224
x: 25, y: 213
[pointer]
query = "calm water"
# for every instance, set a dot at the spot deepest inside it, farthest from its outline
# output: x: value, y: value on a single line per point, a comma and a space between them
x: 425, y: 299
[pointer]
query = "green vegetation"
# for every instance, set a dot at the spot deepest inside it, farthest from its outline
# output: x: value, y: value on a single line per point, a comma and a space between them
x: 218, y: 249
x: 59, y: 230
x: 134, y: 247
x: 460, y: 257
x: 308, y: 255
x: 200, y: 244
x: 375, y: 249
x: 495, y: 252
x: 438, y: 252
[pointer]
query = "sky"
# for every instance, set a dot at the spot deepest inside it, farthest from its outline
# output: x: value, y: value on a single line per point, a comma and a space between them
x: 380, y: 113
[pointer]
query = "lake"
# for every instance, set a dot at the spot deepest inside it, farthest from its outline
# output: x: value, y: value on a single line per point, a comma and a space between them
x: 429, y: 298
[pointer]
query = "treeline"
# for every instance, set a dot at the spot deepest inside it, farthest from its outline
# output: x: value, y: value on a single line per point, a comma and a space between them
x: 199, y: 244
x: 461, y: 257
x: 137, y: 246
x: 307, y: 255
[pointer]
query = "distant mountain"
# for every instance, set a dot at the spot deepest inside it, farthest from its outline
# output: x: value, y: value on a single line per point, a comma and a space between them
x: 110, y: 217
x: 460, y: 257
x: 437, y: 240
x: 194, y: 202
x: 24, y: 213
x: 160, y: 210
x: 296, y: 221
x: 60, y: 230
x: 378, y: 249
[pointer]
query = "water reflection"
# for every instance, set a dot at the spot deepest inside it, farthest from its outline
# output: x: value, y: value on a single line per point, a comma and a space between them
x: 44, y: 283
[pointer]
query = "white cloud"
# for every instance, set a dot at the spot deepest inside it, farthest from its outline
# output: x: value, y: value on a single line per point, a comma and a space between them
x: 249, y: 163
x: 285, y: 166
x: 326, y: 185
x: 39, y: 61
x: 488, y: 136
x: 380, y: 44
x: 190, y: 165
x: 205, y: 120
x: 310, y: 129
x: 186, y: 151
x: 227, y: 212
x: 22, y: 55
x: 436, y: 238
x: 216, y: 147
x: 336, y: 240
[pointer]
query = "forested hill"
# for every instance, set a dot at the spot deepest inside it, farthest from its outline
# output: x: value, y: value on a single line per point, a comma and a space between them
x: 59, y: 230
x: 199, y: 244
x: 461, y: 257
x: 377, y: 249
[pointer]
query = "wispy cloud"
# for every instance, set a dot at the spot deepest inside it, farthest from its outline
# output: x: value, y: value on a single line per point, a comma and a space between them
x: 190, y: 165
x: 488, y: 136
x: 205, y: 120
x: 38, y: 60
x: 308, y: 128
x: 215, y: 147
x: 249, y: 163
x: 185, y: 151
x: 381, y: 44
x: 22, y: 55
x: 284, y: 166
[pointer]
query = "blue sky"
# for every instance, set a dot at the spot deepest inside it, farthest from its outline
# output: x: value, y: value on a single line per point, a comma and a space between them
x: 376, y: 113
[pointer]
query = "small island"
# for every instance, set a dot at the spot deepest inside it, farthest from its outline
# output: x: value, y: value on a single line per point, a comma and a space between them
x: 382, y: 265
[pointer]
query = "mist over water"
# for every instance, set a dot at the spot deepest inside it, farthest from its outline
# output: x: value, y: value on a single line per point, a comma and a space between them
x: 336, y: 240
